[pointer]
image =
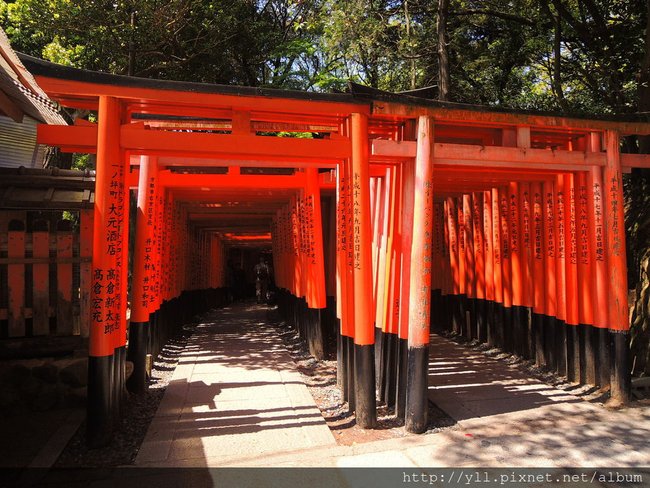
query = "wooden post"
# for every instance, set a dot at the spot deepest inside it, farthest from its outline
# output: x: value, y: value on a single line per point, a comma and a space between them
x: 617, y: 266
x: 488, y: 239
x: 560, y: 267
x: 41, y: 281
x: 479, y: 252
x: 599, y: 238
x: 470, y: 274
x: 419, y: 304
x: 572, y: 297
x: 506, y: 273
x: 516, y: 270
x: 550, y: 288
x: 364, y: 326
x: 16, y: 279
x: 497, y: 253
x: 527, y: 279
x: 538, y: 271
x: 586, y: 281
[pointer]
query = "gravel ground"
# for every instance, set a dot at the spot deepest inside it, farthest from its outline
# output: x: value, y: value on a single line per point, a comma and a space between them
x: 320, y: 378
x: 139, y: 411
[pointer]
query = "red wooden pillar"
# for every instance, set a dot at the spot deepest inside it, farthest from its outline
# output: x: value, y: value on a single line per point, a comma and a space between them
x: 586, y: 281
x: 561, y: 268
x: 538, y: 270
x: 142, y: 286
x: 516, y: 267
x: 452, y: 231
x: 550, y: 263
x: 479, y: 263
x: 617, y: 266
x: 470, y: 280
x: 461, y: 239
x: 506, y: 273
x: 489, y: 269
x: 528, y: 283
x: 318, y: 298
x: 497, y: 253
x: 106, y: 306
x: 364, y: 327
x: 573, y: 319
x: 408, y: 189
x: 417, y: 403
x: 344, y: 284
x: 601, y: 273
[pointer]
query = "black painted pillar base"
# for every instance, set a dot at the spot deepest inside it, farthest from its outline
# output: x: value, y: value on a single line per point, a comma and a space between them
x: 604, y: 358
x: 481, y: 320
x: 100, y: 418
x: 561, y: 346
x: 499, y: 325
x: 417, y: 398
x: 590, y: 354
x: 380, y: 351
x: 390, y: 373
x: 550, y: 352
x: 508, y: 330
x: 537, y: 325
x: 402, y: 367
x: 518, y: 330
x: 457, y: 317
x: 351, y: 375
x: 470, y: 318
x: 529, y: 334
x: 490, y: 313
x: 137, y: 354
x: 364, y: 386
x: 340, y: 371
x: 621, y: 380
x: 573, y: 353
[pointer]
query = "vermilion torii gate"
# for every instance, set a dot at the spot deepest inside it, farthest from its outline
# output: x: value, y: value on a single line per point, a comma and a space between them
x: 508, y: 226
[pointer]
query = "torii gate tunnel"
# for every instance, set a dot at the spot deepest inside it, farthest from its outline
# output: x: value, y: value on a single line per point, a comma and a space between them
x: 402, y: 214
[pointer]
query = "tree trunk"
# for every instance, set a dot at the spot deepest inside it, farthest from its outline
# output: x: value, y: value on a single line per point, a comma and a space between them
x: 557, y: 64
x: 443, y: 51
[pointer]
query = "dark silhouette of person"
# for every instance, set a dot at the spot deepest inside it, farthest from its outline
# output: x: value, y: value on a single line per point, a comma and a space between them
x: 262, y: 279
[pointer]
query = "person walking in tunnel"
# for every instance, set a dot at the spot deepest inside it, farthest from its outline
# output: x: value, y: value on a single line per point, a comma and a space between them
x: 262, y: 278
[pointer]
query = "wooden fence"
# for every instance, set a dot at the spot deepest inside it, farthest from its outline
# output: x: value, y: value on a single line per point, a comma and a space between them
x: 45, y: 274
